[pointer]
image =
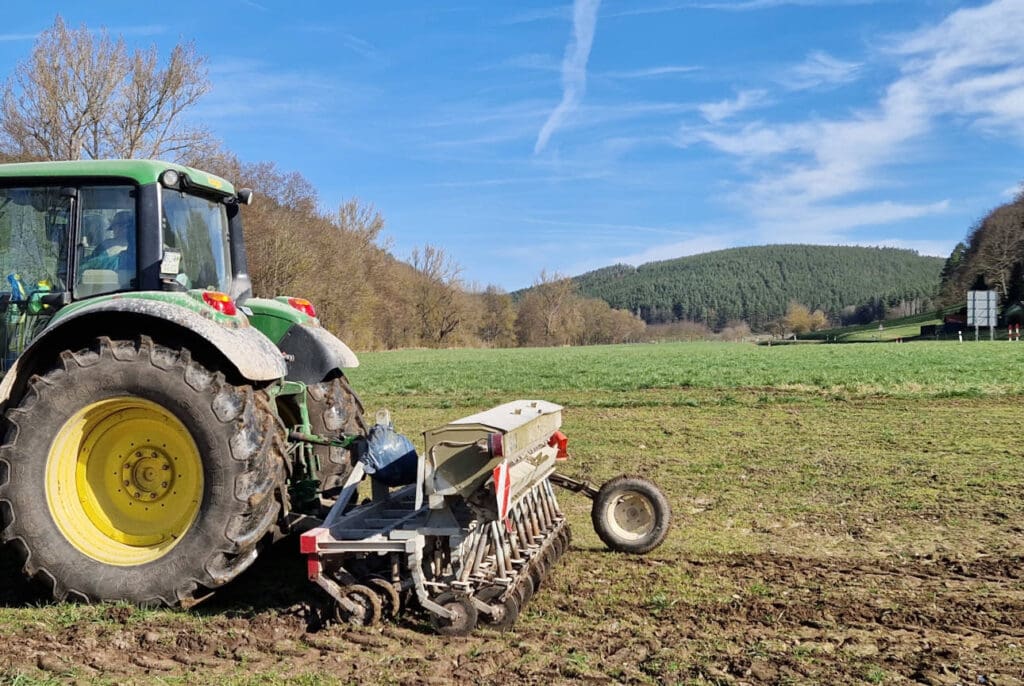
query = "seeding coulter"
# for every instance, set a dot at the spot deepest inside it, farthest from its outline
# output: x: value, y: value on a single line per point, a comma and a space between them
x: 162, y: 425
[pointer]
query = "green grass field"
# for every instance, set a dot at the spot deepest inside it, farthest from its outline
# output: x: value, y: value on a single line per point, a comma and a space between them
x: 588, y: 375
x: 902, y: 328
x: 844, y: 514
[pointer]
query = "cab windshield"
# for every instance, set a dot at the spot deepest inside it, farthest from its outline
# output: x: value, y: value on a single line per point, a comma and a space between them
x: 197, y: 229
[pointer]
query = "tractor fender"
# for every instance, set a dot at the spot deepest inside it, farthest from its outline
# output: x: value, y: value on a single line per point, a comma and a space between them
x: 314, y: 353
x: 253, y: 355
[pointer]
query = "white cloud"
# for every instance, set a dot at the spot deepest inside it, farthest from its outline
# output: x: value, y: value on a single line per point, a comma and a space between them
x: 820, y: 69
x: 1013, y: 191
x: 652, y: 72
x: 668, y: 251
x: 830, y: 223
x: 715, y: 112
x: 969, y: 68
x: 933, y: 248
x: 359, y: 46
x: 972, y: 64
x: 574, y: 69
x: 246, y: 90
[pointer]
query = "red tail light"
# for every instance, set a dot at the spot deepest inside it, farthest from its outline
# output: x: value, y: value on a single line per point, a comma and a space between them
x: 561, y: 441
x: 495, y: 446
x: 303, y: 305
x: 221, y: 302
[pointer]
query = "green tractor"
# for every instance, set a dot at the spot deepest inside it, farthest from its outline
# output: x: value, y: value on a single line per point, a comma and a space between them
x: 160, y: 423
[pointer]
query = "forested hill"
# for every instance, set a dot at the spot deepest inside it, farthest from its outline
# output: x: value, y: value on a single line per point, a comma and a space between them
x: 756, y: 284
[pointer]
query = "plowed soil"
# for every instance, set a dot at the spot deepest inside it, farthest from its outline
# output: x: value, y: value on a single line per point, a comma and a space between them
x: 812, y: 545
x: 936, y: 621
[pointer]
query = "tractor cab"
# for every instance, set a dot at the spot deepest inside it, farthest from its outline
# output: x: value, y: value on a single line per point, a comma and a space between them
x: 72, y: 231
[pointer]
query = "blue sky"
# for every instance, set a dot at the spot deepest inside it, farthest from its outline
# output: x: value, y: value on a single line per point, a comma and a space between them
x: 534, y: 136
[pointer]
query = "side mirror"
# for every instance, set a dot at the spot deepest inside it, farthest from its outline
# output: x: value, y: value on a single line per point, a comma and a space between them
x: 245, y: 196
x: 58, y: 299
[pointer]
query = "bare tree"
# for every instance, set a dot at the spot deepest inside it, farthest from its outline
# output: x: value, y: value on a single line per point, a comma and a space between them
x: 1001, y: 246
x: 498, y: 318
x: 549, y: 313
x: 147, y: 115
x: 82, y: 95
x: 439, y: 296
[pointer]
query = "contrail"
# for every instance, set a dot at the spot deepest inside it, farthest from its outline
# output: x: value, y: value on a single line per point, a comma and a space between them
x: 574, y: 68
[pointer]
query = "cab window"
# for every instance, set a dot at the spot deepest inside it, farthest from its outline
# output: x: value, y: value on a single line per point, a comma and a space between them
x: 106, y: 251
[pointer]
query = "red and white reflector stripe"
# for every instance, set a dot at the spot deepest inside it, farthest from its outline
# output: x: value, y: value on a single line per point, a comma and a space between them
x: 503, y: 492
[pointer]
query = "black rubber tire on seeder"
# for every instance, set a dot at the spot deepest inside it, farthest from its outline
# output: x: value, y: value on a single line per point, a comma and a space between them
x: 662, y: 514
x: 240, y: 442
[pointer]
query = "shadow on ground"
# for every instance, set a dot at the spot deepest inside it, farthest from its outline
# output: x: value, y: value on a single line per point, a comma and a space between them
x: 277, y: 580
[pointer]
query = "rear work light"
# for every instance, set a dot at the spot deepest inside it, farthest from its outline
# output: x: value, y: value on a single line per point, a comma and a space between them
x: 221, y: 302
x: 303, y: 305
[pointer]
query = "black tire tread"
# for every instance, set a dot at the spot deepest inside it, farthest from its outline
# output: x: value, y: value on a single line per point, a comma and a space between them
x: 335, y: 410
x: 256, y: 464
x: 663, y: 514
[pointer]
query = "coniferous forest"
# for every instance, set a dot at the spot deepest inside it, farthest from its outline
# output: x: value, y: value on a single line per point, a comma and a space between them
x: 756, y: 284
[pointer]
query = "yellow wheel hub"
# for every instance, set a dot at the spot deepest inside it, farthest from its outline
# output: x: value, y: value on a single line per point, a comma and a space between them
x: 124, y: 481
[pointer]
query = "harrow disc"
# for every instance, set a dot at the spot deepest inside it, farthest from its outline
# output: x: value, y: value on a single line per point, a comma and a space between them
x: 463, y: 619
x: 525, y: 590
x: 368, y: 609
x: 390, y: 600
x: 506, y: 611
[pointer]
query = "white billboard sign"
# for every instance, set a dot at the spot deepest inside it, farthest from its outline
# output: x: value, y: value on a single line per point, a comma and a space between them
x: 982, y: 308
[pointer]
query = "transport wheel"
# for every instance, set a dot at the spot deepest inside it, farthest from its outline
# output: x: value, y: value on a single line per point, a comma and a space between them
x: 631, y: 515
x: 506, y: 611
x: 132, y: 472
x: 335, y: 409
x: 463, y: 619
x: 390, y: 601
x: 367, y: 602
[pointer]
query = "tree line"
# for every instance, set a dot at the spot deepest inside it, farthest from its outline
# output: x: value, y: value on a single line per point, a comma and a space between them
x: 990, y: 258
x: 84, y: 95
x: 758, y: 284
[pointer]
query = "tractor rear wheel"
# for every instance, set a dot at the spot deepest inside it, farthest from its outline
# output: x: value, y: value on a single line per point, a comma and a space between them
x: 132, y: 472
